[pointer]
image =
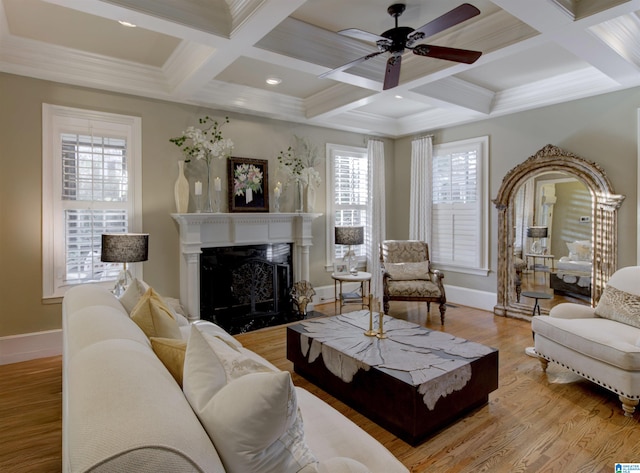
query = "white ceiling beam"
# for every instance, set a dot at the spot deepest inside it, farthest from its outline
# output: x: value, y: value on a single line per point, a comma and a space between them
x: 460, y: 93
x: 253, y: 28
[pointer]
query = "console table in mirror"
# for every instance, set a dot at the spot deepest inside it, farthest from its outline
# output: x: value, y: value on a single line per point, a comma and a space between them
x: 603, y: 222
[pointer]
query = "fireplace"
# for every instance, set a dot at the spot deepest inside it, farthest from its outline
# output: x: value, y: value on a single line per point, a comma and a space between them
x: 244, y: 288
x: 200, y: 232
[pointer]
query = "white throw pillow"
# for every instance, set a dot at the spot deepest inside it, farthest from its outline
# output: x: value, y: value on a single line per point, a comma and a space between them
x: 130, y: 297
x: 210, y: 363
x: 255, y: 425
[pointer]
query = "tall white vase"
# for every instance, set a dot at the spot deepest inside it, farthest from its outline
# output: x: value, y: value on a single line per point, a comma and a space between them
x: 311, y: 198
x: 181, y: 190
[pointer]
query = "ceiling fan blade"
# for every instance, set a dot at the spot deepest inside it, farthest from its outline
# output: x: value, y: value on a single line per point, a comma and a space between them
x: 392, y: 74
x: 450, y: 54
x: 349, y: 64
x: 362, y: 35
x: 452, y: 18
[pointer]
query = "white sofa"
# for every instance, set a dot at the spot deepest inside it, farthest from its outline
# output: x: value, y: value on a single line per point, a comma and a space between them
x: 124, y: 412
x: 601, y: 344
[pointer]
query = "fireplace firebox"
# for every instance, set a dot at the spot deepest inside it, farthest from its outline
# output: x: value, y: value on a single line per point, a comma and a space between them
x: 243, y: 288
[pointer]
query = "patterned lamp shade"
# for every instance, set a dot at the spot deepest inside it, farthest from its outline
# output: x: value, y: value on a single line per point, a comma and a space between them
x: 537, y: 232
x: 125, y: 247
x: 349, y: 235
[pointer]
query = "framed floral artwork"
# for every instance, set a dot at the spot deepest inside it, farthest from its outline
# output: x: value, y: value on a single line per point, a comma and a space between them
x: 248, y: 185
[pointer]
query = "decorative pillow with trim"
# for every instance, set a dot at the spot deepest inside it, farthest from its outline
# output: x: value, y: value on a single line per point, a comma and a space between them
x: 171, y: 352
x: 620, y: 306
x: 255, y: 425
x: 154, y: 317
x: 211, y: 363
x: 579, y: 250
x: 408, y: 271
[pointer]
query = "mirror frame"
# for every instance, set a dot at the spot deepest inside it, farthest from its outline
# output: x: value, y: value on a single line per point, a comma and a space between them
x: 604, y: 226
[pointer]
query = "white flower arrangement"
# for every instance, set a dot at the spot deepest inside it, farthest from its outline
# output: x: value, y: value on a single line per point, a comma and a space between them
x: 204, y: 143
x: 297, y: 163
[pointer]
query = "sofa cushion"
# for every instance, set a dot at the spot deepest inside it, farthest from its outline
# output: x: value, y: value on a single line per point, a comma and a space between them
x: 85, y: 295
x: 171, y: 352
x: 326, y: 441
x: 154, y: 317
x: 255, y: 426
x: 125, y: 413
x: 415, y: 288
x: 94, y: 324
x: 341, y: 465
x: 620, y: 306
x: 408, y: 271
x: 603, y: 339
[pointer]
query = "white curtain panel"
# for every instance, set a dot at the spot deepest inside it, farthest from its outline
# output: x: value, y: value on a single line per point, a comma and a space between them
x: 421, y: 196
x: 378, y: 219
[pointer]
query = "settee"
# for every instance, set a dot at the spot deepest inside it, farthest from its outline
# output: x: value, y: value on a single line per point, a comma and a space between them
x: 128, y: 407
x: 601, y: 344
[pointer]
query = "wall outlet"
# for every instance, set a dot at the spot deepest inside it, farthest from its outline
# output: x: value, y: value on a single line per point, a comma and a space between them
x: 585, y: 219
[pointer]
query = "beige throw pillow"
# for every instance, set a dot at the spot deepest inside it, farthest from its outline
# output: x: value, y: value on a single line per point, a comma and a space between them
x: 408, y: 271
x: 154, y: 317
x: 171, y: 352
x: 620, y: 306
x: 131, y: 296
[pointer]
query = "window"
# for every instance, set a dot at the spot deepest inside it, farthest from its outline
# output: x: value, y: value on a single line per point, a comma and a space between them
x: 348, y: 199
x: 460, y: 206
x: 91, y: 185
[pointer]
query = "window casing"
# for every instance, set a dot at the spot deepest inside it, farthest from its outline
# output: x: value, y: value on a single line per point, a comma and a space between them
x: 460, y: 206
x: 91, y: 185
x: 348, y: 199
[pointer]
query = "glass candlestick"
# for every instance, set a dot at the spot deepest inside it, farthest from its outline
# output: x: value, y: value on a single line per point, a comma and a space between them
x: 218, y: 196
x: 198, y: 203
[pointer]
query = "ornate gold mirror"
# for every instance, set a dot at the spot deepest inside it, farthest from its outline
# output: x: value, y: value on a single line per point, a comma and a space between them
x: 552, y: 160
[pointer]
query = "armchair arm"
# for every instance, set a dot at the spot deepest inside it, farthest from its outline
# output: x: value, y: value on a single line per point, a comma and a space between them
x: 437, y: 278
x: 569, y: 310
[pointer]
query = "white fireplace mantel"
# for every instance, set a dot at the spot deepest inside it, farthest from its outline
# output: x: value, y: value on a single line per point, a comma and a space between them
x: 215, y: 230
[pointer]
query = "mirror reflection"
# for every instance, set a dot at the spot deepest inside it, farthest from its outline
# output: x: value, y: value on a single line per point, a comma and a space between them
x: 553, y: 240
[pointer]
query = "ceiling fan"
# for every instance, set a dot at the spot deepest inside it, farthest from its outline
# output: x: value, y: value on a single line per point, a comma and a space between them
x: 396, y: 40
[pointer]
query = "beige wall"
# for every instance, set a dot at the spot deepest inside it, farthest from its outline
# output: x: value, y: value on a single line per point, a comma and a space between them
x: 601, y: 129
x: 22, y: 309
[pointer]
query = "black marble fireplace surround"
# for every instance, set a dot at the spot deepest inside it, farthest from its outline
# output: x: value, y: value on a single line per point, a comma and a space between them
x: 243, y: 288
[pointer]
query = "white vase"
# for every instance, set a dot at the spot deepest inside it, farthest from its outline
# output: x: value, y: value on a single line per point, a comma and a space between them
x: 181, y: 190
x: 311, y: 198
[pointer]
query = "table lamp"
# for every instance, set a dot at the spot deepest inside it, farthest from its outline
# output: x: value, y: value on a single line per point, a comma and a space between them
x: 350, y: 236
x: 537, y: 232
x: 124, y: 248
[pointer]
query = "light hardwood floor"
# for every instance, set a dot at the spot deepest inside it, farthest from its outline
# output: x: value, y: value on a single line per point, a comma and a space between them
x: 534, y: 422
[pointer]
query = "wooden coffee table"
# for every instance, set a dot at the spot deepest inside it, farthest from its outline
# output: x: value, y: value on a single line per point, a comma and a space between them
x: 413, y: 383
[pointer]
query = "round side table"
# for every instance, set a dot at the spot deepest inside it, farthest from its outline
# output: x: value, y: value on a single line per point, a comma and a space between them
x: 537, y: 296
x: 344, y: 298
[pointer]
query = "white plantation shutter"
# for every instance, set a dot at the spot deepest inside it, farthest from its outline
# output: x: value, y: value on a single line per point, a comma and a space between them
x: 459, y: 209
x: 88, y: 162
x: 348, y: 194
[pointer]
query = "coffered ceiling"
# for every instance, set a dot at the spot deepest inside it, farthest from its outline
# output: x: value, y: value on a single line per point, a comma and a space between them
x: 219, y: 54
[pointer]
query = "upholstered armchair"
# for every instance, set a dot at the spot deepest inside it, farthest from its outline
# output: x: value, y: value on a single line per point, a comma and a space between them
x: 407, y: 275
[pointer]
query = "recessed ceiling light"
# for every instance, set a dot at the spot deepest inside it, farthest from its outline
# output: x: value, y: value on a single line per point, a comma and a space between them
x: 398, y: 96
x: 273, y: 80
x: 126, y: 23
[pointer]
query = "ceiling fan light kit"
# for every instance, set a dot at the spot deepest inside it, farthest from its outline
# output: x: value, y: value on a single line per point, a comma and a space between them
x: 401, y: 38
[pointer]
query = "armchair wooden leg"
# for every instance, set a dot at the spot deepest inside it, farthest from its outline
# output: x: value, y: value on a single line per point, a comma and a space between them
x: 385, y: 305
x: 543, y: 363
x: 443, y: 309
x: 628, y: 405
x: 428, y: 307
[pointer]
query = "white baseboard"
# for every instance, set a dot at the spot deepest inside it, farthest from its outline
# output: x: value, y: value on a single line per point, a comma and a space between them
x: 455, y: 295
x: 29, y: 346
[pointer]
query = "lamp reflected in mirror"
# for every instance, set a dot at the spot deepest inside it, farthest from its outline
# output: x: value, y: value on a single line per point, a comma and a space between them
x: 537, y: 232
x: 124, y: 248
